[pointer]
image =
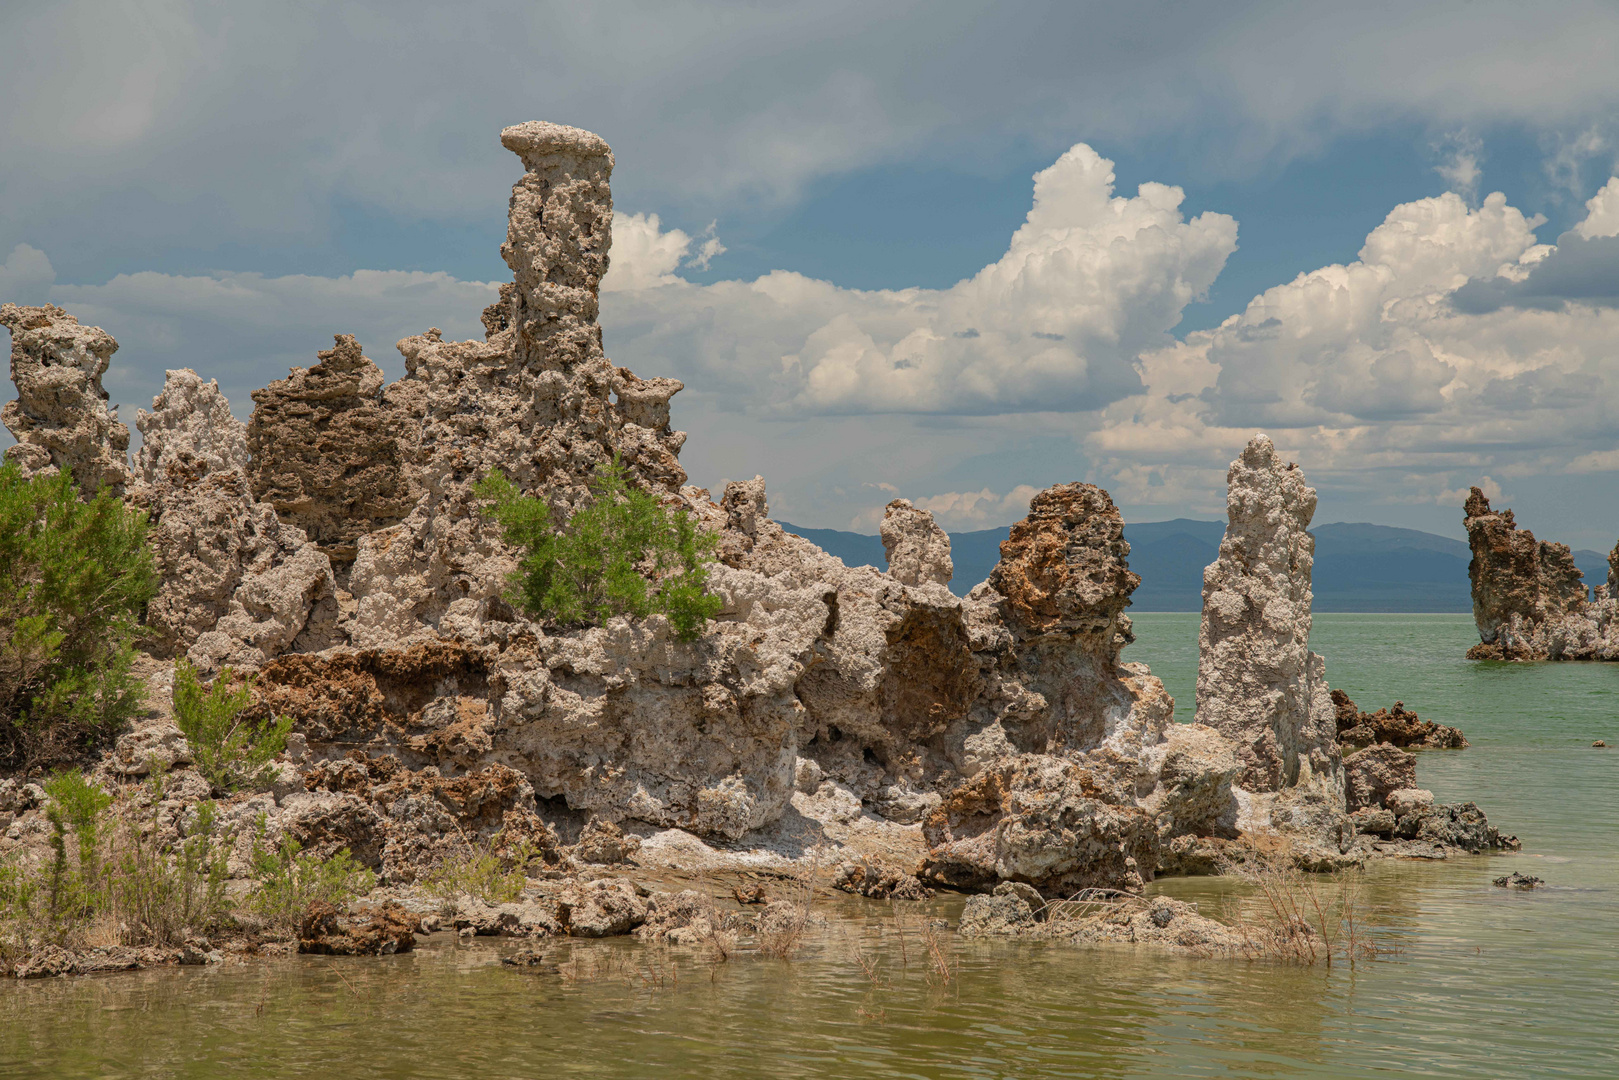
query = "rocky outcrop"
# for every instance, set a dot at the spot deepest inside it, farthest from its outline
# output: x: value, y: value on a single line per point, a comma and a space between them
x: 1063, y: 569
x: 918, y: 550
x: 382, y: 930
x: 1529, y: 599
x: 239, y: 585
x: 336, y: 546
x: 1397, y: 726
x: 60, y: 418
x: 1258, y: 683
x: 325, y: 450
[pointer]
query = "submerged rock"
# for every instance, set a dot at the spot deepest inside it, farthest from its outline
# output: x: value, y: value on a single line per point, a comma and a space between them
x: 382, y: 930
x: 1516, y: 880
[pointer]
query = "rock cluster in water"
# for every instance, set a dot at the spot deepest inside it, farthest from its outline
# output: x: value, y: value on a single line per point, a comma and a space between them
x: 1529, y: 599
x: 334, y: 545
x: 1398, y: 726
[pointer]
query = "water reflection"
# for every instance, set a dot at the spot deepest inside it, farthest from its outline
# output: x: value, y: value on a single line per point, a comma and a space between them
x: 1486, y: 983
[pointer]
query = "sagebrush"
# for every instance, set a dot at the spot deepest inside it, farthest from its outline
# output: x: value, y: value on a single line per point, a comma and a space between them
x: 232, y: 750
x: 624, y: 554
x: 74, y: 578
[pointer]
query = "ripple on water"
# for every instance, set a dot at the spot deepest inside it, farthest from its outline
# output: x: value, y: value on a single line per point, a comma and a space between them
x: 1487, y: 982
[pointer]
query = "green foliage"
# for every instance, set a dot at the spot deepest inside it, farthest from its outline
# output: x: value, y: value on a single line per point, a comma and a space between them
x: 79, y: 805
x: 480, y: 874
x: 163, y: 895
x: 290, y: 879
x: 74, y: 577
x: 624, y: 554
x: 231, y: 751
x: 53, y: 903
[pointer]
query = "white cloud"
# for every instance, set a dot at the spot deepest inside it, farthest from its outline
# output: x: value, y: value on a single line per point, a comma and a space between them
x: 194, y: 127
x: 1088, y: 282
x: 1459, y: 166
x: 1458, y: 496
x: 25, y: 276
x: 1373, y: 377
x: 978, y: 509
x: 645, y: 257
x: 1601, y: 212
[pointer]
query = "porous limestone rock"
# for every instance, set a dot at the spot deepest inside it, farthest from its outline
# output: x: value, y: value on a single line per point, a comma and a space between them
x: 189, y: 433
x: 325, y: 449
x: 918, y: 550
x: 238, y: 585
x: 60, y: 418
x: 382, y: 930
x: 1398, y: 726
x: 1529, y: 599
x: 1258, y: 683
x: 1063, y: 569
x: 1371, y: 774
x: 429, y: 706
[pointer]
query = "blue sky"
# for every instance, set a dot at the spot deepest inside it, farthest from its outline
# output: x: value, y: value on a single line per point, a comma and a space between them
x: 225, y: 186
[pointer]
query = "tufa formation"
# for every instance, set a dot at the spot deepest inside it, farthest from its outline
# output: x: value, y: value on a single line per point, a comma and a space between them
x: 1529, y: 599
x: 334, y: 545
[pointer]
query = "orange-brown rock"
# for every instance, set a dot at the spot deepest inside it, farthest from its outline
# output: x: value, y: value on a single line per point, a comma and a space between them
x: 1063, y: 569
x: 326, y: 452
x: 1397, y: 726
x: 365, y: 931
x: 1529, y: 599
x: 386, y: 697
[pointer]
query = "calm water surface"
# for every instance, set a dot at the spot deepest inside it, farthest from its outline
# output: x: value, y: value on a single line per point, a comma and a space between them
x: 1487, y: 983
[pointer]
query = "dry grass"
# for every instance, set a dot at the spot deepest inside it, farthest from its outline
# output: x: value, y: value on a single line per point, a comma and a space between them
x: 1089, y: 903
x: 1306, y: 919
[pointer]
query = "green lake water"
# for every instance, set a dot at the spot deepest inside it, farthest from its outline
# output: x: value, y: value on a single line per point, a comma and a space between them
x: 1485, y: 983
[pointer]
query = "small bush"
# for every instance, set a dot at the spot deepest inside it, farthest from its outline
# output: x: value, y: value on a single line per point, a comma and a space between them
x: 290, y: 879
x: 624, y: 554
x: 476, y: 873
x: 74, y: 577
x: 160, y: 895
x: 231, y: 751
x: 111, y: 876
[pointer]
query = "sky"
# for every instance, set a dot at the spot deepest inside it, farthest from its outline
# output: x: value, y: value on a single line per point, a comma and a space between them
x: 952, y: 252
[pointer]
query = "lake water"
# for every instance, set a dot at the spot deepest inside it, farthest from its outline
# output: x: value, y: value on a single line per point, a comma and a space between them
x: 1486, y: 983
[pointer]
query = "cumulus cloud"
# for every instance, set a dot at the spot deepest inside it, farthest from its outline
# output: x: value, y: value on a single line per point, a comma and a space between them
x: 1458, y: 165
x: 1391, y: 372
x: 26, y: 276
x: 1088, y: 282
x: 978, y: 509
x: 645, y: 257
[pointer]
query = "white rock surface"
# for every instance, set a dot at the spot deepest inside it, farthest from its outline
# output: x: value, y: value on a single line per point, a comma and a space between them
x: 60, y: 418
x: 918, y: 550
x: 1258, y: 683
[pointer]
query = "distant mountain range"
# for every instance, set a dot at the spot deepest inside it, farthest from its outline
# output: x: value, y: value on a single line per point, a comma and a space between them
x: 1358, y: 567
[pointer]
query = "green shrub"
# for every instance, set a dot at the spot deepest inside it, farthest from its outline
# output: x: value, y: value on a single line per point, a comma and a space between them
x: 74, y: 577
x: 480, y: 874
x: 290, y: 879
x: 53, y: 903
x: 624, y: 554
x: 160, y: 895
x: 231, y: 751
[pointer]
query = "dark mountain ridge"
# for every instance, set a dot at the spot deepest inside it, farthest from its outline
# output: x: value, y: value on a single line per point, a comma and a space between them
x: 1358, y: 566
